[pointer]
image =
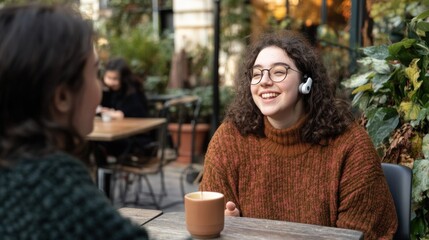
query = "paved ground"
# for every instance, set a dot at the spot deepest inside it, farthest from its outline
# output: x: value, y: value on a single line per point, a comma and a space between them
x: 172, y: 202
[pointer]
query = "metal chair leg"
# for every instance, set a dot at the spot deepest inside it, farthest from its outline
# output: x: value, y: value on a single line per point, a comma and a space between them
x: 151, y: 192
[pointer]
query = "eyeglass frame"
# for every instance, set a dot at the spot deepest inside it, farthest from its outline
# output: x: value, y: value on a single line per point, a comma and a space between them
x: 287, y: 67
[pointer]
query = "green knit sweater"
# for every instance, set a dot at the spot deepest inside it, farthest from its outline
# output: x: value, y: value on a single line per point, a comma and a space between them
x: 54, y: 197
x: 280, y: 177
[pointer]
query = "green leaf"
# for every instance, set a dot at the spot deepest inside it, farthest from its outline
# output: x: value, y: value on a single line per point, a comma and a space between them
x: 361, y: 100
x: 365, y: 61
x: 381, y: 123
x: 363, y: 88
x: 423, y: 26
x: 418, y: 226
x: 422, y: 115
x: 425, y: 146
x: 413, y: 73
x: 422, y: 49
x: 356, y: 80
x: 423, y: 15
x: 379, y: 80
x: 381, y: 66
x: 396, y: 47
x: 420, y: 180
x: 410, y: 110
x: 377, y: 52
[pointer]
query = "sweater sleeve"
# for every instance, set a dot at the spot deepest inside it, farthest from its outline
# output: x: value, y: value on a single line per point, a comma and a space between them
x: 365, y: 202
x: 219, y: 174
x: 79, y: 210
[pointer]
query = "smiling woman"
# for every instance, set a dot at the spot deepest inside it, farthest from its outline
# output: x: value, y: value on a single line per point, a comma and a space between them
x: 288, y: 145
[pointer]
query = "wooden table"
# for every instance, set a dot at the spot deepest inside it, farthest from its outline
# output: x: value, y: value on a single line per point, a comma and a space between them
x: 122, y: 128
x: 138, y: 215
x: 172, y: 226
x: 119, y: 129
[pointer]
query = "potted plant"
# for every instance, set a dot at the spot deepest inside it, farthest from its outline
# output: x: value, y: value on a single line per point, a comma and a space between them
x: 392, y: 91
x: 203, y: 126
x: 182, y: 116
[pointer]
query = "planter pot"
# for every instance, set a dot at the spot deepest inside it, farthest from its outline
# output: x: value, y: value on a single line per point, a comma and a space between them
x: 184, y: 151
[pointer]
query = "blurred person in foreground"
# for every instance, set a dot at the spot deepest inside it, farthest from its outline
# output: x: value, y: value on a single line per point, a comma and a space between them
x: 48, y: 95
x: 289, y: 150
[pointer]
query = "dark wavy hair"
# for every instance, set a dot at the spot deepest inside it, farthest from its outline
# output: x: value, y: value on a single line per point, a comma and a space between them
x: 41, y: 48
x: 327, y: 116
x: 130, y: 82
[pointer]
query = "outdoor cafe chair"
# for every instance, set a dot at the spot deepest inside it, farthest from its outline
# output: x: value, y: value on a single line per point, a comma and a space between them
x: 130, y: 169
x: 126, y: 173
x: 181, y: 110
x: 399, y: 178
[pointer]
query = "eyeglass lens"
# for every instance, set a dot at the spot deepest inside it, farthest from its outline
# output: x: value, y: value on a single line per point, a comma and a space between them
x: 277, y: 74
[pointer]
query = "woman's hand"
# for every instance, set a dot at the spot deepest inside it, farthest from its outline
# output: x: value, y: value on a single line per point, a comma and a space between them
x: 231, y: 210
x: 114, y: 114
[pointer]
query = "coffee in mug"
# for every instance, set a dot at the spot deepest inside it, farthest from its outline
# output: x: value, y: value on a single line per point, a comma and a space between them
x: 205, y: 214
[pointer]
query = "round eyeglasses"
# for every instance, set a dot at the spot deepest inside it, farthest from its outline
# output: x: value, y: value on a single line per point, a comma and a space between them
x: 277, y: 73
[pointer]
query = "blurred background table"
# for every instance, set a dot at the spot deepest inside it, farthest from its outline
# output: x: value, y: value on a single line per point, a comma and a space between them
x: 118, y: 129
x: 123, y: 128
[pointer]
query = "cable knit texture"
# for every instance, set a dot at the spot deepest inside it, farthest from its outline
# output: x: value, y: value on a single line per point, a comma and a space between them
x: 54, y: 197
x: 280, y: 177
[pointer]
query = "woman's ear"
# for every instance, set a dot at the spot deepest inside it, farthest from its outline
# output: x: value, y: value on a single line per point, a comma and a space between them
x: 63, y: 100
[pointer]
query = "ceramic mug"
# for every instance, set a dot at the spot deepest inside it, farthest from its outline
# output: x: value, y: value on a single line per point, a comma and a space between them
x: 205, y: 214
x: 105, y: 117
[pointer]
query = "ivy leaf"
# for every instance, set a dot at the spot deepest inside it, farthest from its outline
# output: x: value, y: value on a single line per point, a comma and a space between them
x: 422, y: 115
x: 396, y: 47
x: 363, y: 88
x: 425, y: 146
x: 403, y: 52
x: 380, y: 66
x: 379, y: 80
x: 422, y: 27
x: 413, y: 73
x: 381, y: 123
x: 418, y: 226
x: 356, y: 80
x: 409, y: 110
x: 423, y: 15
x: 422, y: 49
x: 365, y: 61
x: 361, y: 100
x: 377, y: 52
x: 420, y: 180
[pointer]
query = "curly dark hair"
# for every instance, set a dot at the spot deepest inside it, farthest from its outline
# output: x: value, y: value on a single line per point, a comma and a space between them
x: 327, y: 116
x: 41, y: 48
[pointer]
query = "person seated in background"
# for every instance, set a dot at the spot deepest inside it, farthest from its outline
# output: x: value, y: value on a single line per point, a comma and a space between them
x: 290, y: 150
x: 48, y: 95
x: 123, y: 96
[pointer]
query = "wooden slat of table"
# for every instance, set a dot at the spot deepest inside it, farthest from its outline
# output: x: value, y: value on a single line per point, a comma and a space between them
x: 172, y: 226
x: 138, y: 215
x: 122, y: 128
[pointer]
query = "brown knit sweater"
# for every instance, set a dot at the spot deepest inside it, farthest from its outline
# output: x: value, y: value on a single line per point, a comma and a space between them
x: 280, y: 177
